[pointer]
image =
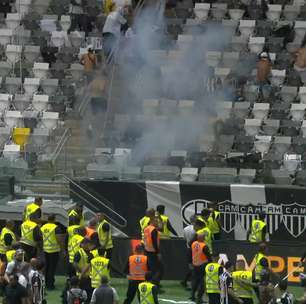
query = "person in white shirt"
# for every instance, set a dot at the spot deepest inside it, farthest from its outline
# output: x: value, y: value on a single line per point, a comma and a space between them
x: 112, y: 30
x: 189, y: 236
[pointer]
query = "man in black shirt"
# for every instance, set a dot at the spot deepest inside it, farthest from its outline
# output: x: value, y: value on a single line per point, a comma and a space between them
x: 15, y: 293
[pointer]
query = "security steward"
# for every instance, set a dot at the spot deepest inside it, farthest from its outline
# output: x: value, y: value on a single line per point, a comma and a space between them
x: 81, y: 262
x: 258, y: 230
x: 77, y: 211
x: 261, y: 261
x: 10, y: 254
x: 243, y: 282
x: 99, y: 267
x: 167, y: 228
x: 33, y: 209
x: 136, y: 269
x: 30, y: 237
x: 7, y: 239
x: 152, y: 249
x: 105, y: 235
x: 213, y: 271
x: 52, y: 245
x: 214, y: 223
x: 202, y: 229
x: 91, y: 232
x: 145, y: 221
x: 200, y: 256
x: 148, y: 292
x: 74, y: 247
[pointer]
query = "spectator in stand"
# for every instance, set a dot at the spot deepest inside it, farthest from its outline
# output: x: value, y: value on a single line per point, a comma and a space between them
x: 114, y: 23
x: 263, y: 73
x: 300, y: 59
x: 77, y: 14
x: 89, y: 60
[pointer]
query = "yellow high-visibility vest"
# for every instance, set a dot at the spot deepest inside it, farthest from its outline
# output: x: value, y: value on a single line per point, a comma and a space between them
x: 99, y: 268
x: 30, y: 209
x: 71, y: 231
x: 243, y: 290
x: 74, y: 246
x: 83, y: 262
x: 4, y: 231
x: 212, y: 222
x: 207, y: 237
x: 145, y: 293
x: 10, y: 255
x: 50, y: 243
x: 144, y: 222
x: 74, y: 213
x: 27, y: 236
x: 258, y: 268
x: 105, y: 237
x: 256, y: 231
x: 212, y: 278
x: 165, y: 233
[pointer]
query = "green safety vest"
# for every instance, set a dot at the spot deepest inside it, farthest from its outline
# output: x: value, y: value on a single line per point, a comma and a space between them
x: 165, y: 233
x: 3, y: 247
x: 27, y: 236
x: 74, y: 246
x: 144, y: 222
x: 256, y: 231
x: 258, y: 267
x: 83, y: 262
x: 105, y: 238
x: 99, y: 268
x: 207, y: 237
x: 74, y: 213
x: 243, y: 290
x: 213, y: 224
x: 30, y: 209
x: 10, y: 255
x: 50, y: 243
x: 145, y: 293
x: 212, y: 278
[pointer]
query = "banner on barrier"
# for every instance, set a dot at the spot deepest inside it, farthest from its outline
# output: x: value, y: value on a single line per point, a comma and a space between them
x: 285, y: 208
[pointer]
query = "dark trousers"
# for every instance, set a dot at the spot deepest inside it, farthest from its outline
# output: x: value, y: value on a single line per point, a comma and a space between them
x: 131, y: 291
x: 109, y: 44
x: 217, y: 236
x: 108, y: 253
x: 188, y: 275
x: 51, y: 260
x: 197, y: 281
x: 70, y: 270
x: 213, y: 298
x: 155, y: 266
x: 85, y: 283
x: 30, y: 251
x: 247, y: 301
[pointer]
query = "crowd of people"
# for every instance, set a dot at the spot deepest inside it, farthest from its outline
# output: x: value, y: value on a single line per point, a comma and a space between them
x: 30, y: 253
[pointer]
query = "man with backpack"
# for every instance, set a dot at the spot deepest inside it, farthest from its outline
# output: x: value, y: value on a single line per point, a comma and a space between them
x: 76, y: 295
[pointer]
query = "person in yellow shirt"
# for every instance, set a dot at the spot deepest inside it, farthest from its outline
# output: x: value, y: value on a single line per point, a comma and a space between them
x: 52, y: 245
x: 76, y: 212
x: 258, y: 230
x: 145, y: 221
x: 167, y: 228
x: 214, y: 223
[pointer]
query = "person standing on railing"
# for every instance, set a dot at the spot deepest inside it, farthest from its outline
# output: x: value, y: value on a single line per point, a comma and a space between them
x: 105, y: 235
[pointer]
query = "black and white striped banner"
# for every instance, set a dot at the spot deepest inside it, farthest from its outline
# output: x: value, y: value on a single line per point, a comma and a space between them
x: 238, y: 204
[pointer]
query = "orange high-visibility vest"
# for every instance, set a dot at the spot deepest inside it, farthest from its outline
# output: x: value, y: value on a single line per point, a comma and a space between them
x: 138, y: 267
x: 148, y: 242
x: 198, y: 257
x: 89, y: 232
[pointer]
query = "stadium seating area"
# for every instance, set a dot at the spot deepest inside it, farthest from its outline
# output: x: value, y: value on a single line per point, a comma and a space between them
x: 39, y: 78
x: 260, y: 138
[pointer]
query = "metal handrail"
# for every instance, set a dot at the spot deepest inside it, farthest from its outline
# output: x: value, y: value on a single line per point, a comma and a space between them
x: 60, y: 145
x: 95, y: 198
